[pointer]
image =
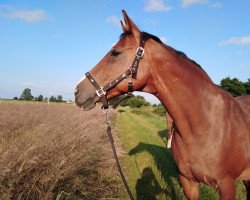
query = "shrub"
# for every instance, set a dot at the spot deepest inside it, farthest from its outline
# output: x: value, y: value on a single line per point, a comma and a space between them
x: 135, y: 102
x: 160, y: 110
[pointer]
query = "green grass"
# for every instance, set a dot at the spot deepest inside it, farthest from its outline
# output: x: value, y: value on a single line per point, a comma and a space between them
x: 149, y: 167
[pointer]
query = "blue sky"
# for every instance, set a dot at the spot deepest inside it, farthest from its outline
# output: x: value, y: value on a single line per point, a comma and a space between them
x: 47, y: 45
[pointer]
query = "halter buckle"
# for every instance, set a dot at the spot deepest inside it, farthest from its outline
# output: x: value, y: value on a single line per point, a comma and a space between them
x: 139, y: 52
x: 100, y: 92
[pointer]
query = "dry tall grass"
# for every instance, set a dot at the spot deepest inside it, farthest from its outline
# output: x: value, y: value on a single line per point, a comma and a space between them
x: 55, y: 151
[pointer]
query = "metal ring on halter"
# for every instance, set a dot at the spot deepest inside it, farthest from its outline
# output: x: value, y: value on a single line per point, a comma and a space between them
x: 139, y: 52
x: 100, y: 92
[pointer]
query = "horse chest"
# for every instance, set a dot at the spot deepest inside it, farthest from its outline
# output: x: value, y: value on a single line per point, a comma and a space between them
x: 189, y: 162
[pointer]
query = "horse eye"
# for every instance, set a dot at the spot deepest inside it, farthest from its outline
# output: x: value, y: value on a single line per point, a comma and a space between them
x: 114, y: 52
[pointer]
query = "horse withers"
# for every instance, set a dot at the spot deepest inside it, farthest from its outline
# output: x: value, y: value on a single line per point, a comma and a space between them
x: 211, y: 140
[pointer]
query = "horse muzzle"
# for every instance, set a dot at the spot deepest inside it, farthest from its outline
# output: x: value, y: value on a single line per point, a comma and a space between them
x: 85, y: 95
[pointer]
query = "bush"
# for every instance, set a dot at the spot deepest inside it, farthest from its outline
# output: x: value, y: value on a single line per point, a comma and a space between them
x: 247, y: 86
x: 160, y: 110
x: 135, y: 102
x: 234, y: 86
x: 39, y: 98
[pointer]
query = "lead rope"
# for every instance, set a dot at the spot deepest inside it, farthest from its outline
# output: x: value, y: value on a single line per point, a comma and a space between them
x: 111, y: 140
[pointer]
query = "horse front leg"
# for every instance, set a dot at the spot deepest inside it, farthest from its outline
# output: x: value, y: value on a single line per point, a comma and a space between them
x: 191, y: 188
x: 227, y: 189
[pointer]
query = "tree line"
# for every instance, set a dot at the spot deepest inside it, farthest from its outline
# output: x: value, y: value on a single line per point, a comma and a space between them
x: 232, y: 85
x: 27, y: 96
x: 235, y: 86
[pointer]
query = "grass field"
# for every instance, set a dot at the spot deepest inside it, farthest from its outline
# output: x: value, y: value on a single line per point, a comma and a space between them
x: 57, y: 151
x: 150, y: 169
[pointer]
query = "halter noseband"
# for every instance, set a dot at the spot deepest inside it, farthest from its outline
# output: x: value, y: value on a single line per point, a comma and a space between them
x: 132, y: 71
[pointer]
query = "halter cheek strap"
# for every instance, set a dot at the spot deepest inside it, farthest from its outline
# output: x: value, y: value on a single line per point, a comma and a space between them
x: 132, y: 71
x: 99, y: 90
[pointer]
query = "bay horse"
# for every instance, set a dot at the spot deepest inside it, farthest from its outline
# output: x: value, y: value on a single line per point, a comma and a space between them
x: 211, y: 143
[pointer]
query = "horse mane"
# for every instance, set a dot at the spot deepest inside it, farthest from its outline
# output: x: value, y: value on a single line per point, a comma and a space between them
x: 155, y: 38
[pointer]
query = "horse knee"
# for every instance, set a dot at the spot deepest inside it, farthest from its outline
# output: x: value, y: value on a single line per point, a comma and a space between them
x: 191, y: 188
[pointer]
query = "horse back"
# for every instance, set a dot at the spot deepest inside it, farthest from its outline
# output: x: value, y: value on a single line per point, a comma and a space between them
x: 244, y: 99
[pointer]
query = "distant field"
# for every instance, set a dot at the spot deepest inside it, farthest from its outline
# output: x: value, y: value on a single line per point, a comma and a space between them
x: 54, y: 151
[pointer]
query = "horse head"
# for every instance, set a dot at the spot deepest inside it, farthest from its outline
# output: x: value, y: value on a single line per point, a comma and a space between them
x: 117, y: 61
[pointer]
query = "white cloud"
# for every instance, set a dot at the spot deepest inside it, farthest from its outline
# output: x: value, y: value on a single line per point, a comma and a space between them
x: 156, y: 5
x: 216, y: 5
x: 114, y: 20
x: 187, y: 3
x: 237, y: 41
x: 30, y: 16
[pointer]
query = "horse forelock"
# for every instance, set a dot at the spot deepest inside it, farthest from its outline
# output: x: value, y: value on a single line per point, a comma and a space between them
x: 124, y: 34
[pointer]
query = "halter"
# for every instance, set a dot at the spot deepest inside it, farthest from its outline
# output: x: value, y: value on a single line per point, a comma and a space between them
x: 131, y: 71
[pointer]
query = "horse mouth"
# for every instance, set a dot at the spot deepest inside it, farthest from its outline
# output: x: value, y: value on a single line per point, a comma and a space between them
x: 88, y: 104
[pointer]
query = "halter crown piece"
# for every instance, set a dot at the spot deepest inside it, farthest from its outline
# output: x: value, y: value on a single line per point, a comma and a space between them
x: 132, y: 71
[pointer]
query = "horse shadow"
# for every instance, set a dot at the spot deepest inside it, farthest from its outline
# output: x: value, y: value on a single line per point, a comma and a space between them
x: 165, y: 164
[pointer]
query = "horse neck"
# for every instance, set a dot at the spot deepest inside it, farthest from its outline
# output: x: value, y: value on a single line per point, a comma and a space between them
x: 183, y: 88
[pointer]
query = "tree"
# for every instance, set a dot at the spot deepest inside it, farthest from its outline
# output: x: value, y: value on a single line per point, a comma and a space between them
x: 52, y: 99
x: 234, y: 86
x: 15, y: 98
x: 135, y: 102
x: 26, y: 95
x: 59, y: 98
x: 39, y: 98
x: 247, y: 86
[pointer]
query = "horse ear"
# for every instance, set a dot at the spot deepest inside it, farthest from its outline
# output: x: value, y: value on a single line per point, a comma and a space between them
x: 123, y: 27
x: 130, y: 26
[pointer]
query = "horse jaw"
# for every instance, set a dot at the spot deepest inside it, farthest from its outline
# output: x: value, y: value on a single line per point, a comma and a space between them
x: 89, y: 104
